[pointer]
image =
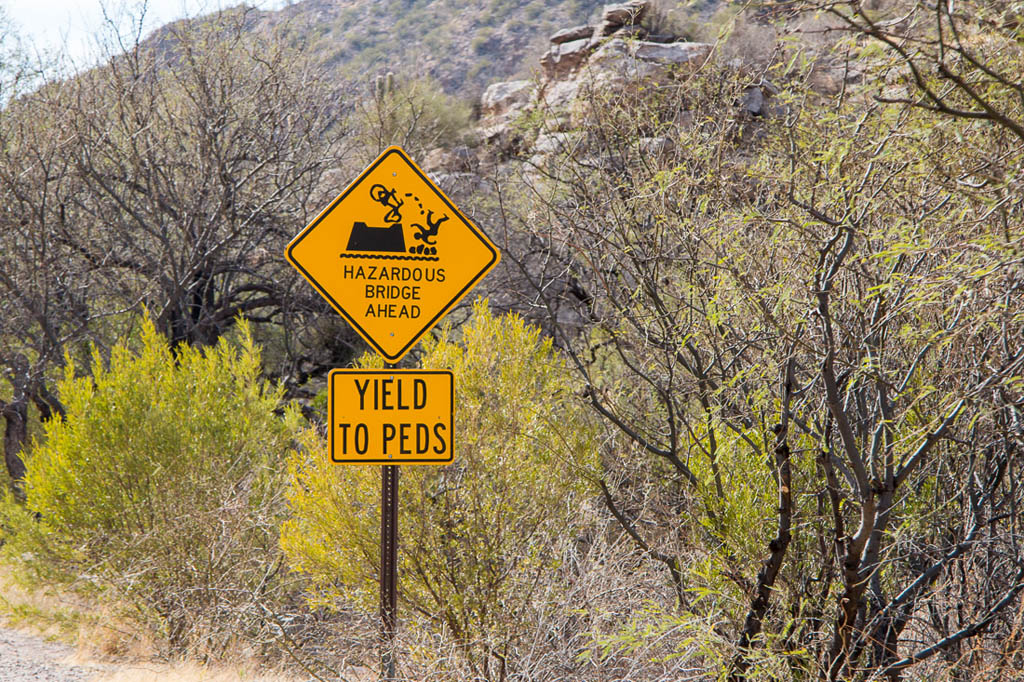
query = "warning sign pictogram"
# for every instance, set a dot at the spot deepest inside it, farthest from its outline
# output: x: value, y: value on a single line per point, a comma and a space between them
x: 392, y: 254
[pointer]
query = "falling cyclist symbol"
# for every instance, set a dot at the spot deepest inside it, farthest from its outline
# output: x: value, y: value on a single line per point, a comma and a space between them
x: 390, y: 239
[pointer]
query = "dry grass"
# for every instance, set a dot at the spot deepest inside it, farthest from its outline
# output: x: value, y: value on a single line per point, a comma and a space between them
x: 48, y: 612
x: 191, y: 672
x: 94, y: 628
x: 111, y: 644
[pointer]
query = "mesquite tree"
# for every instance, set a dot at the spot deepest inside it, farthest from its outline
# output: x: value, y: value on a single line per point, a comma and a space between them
x: 805, y: 334
x: 169, y: 177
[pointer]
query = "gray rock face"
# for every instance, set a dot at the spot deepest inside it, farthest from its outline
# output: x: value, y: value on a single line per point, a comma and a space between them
x: 567, y: 35
x: 671, y: 53
x: 560, y: 94
x: 499, y: 98
x: 637, y: 56
x: 623, y: 65
x: 753, y: 101
x: 564, y: 57
x: 555, y: 143
x: 583, y: 71
x: 624, y: 14
x: 758, y: 100
x: 610, y: 55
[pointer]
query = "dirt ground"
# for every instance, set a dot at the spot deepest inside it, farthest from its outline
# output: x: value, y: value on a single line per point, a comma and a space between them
x: 25, y: 657
x: 39, y: 628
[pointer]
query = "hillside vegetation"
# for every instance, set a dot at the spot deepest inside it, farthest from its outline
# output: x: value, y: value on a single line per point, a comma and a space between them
x: 462, y: 46
x: 744, y: 401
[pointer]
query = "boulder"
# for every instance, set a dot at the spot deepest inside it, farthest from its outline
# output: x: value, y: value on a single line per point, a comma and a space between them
x: 753, y: 101
x: 615, y: 63
x: 757, y: 100
x: 613, y: 55
x: 624, y: 14
x: 564, y: 57
x: 500, y: 98
x: 620, y: 68
x: 671, y: 53
x: 559, y: 95
x: 611, y: 73
x: 555, y: 143
x: 567, y: 35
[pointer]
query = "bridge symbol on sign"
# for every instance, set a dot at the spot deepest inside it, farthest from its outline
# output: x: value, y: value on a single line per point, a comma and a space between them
x: 391, y: 238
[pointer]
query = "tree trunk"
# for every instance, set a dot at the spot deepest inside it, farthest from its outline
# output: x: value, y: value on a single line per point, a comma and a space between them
x: 15, y: 414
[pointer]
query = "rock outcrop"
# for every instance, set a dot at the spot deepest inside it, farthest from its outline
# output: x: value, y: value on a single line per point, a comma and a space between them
x: 571, y: 47
x: 615, y: 17
x: 585, y: 69
x: 582, y: 64
x: 563, y: 58
x: 567, y: 35
x: 500, y: 99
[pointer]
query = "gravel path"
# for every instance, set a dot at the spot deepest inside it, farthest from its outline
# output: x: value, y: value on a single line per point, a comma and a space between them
x: 27, y: 658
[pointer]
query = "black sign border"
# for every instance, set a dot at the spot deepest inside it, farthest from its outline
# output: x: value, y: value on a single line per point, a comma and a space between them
x: 331, y: 415
x: 477, y: 232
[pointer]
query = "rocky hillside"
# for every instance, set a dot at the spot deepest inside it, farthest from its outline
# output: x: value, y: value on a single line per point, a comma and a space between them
x: 464, y: 46
x: 580, y: 60
x: 609, y: 55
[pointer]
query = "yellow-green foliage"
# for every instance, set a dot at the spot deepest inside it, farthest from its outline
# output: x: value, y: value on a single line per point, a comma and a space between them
x: 163, y: 483
x: 414, y: 113
x: 473, y: 535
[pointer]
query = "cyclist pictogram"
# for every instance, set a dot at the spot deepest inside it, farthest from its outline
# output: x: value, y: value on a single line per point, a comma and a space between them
x: 389, y: 240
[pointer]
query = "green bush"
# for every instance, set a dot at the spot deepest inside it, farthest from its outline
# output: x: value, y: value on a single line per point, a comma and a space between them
x: 163, y: 486
x: 414, y: 113
x: 479, y: 539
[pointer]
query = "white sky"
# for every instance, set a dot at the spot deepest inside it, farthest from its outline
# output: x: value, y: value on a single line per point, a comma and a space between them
x: 48, y: 26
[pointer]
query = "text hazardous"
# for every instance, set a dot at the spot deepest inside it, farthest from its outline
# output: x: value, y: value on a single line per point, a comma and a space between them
x: 395, y: 416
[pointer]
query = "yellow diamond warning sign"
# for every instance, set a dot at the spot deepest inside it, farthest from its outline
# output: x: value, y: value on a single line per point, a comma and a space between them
x: 392, y: 254
x: 395, y: 416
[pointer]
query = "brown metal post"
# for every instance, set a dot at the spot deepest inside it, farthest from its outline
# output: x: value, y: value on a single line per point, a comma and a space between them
x: 388, y: 568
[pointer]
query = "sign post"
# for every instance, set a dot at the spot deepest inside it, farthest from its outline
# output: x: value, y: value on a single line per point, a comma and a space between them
x: 388, y: 568
x: 392, y: 255
x: 386, y: 416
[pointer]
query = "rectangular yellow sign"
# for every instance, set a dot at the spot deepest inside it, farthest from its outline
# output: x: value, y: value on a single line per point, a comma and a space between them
x: 392, y: 416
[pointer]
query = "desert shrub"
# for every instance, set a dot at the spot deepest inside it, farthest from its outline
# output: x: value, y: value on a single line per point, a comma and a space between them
x: 479, y: 539
x: 808, y: 315
x: 414, y: 113
x: 162, y: 488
